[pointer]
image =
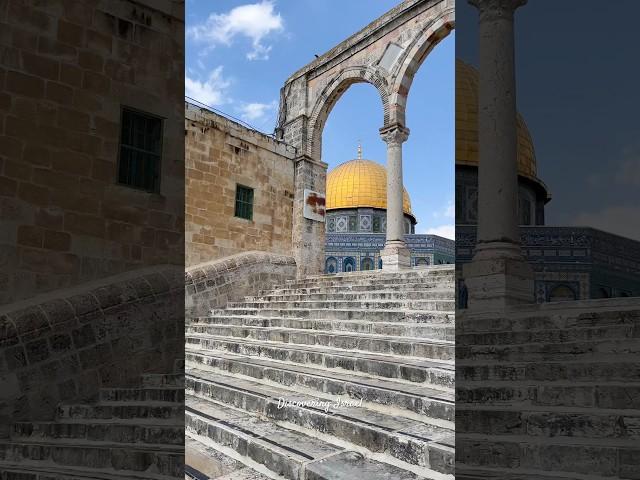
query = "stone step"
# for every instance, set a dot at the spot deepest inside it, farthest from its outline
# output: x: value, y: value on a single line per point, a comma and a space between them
x: 135, y: 460
x: 406, y: 439
x: 381, y: 295
x: 618, y: 368
x: 11, y: 471
x: 145, y: 394
x: 535, y: 352
x: 414, y: 347
x: 374, y: 284
x: 419, y: 316
x: 434, y: 372
x: 367, y: 305
x: 587, y: 333
x: 619, y: 396
x: 285, y: 452
x: 526, y: 323
x: 615, y: 425
x: 401, y: 329
x: 377, y: 275
x: 575, y: 458
x: 425, y: 287
x: 99, y: 432
x: 203, y: 463
x: 416, y: 398
x: 163, y: 380
x: 156, y: 414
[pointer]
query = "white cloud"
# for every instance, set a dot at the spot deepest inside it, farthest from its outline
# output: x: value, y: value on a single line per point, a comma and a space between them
x: 251, y: 112
x: 212, y: 91
x: 621, y: 220
x: 446, y: 231
x: 254, y: 21
x: 449, y: 211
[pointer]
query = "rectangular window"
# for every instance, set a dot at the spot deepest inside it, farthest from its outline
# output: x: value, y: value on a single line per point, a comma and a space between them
x: 140, y: 150
x: 244, y: 202
x: 376, y: 224
x: 353, y: 223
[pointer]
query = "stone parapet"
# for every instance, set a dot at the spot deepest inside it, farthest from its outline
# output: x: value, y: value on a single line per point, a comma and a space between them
x: 66, y: 345
x: 214, y: 284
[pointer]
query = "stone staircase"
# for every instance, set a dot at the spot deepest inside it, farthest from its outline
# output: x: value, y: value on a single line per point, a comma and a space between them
x: 550, y: 392
x: 329, y: 378
x: 130, y: 433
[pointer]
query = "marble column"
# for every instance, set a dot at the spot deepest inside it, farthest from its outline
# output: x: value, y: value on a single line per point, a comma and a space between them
x: 395, y: 255
x: 498, y: 274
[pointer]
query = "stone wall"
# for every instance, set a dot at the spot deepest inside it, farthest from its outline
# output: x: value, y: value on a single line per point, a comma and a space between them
x: 220, y: 154
x: 66, y: 71
x: 213, y: 284
x: 64, y: 346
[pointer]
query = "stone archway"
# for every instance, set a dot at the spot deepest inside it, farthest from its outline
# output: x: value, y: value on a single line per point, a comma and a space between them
x: 386, y: 53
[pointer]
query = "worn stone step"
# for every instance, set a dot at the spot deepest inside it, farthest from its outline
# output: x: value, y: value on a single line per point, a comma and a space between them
x: 601, y: 458
x: 618, y: 368
x: 535, y: 352
x: 414, y: 347
x: 375, y: 284
x: 203, y: 462
x: 287, y: 453
x: 528, y: 323
x: 364, y: 287
x: 618, y: 396
x: 557, y: 423
x: 406, y: 439
x: 420, y: 399
x: 549, y: 336
x: 397, y: 329
x: 416, y: 316
x: 375, y: 276
x: 99, y: 432
x: 152, y: 461
x: 145, y: 394
x: 367, y: 305
x: 163, y: 380
x: 340, y: 294
x: 168, y: 413
x: 434, y: 372
x: 12, y: 471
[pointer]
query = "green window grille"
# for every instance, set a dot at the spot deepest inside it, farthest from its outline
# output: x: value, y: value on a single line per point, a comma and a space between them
x: 244, y: 202
x: 140, y: 150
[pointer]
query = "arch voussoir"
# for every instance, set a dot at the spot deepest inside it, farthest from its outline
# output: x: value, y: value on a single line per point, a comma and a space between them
x: 331, y: 93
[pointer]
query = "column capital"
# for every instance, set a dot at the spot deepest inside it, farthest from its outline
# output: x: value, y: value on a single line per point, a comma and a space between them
x: 396, y: 133
x: 496, y: 9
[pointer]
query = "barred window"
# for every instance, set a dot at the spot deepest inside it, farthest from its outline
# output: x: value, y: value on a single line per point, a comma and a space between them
x: 140, y: 150
x: 244, y: 202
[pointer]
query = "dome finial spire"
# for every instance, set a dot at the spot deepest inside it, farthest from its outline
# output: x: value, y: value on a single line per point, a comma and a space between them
x: 359, y: 150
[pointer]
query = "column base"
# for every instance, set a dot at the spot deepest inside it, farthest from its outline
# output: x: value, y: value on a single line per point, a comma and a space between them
x: 498, y: 276
x: 395, y: 256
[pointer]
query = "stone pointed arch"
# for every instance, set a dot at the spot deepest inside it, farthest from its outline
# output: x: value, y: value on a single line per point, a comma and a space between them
x: 329, y: 96
x: 386, y: 54
x: 412, y: 58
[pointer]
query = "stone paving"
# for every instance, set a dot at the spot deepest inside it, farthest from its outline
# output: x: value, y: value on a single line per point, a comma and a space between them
x: 332, y: 377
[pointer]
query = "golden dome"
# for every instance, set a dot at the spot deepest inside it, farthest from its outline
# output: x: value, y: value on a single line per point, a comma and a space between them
x: 467, y: 124
x: 360, y: 183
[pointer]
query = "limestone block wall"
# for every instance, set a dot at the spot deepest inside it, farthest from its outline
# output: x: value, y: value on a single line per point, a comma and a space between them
x: 63, y: 346
x: 220, y: 154
x: 214, y: 284
x: 66, y: 71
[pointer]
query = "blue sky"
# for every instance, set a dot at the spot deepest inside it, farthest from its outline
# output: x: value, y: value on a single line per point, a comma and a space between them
x: 239, y: 53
